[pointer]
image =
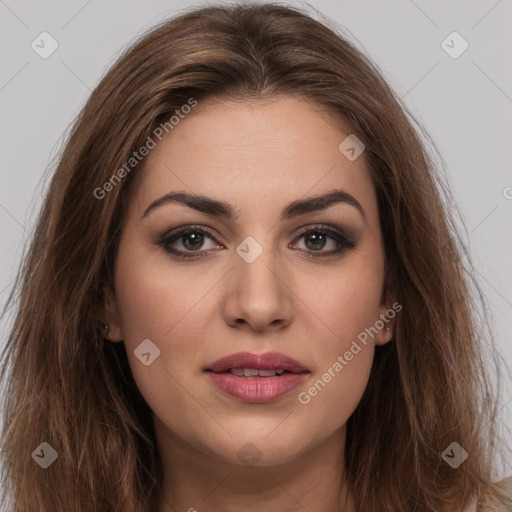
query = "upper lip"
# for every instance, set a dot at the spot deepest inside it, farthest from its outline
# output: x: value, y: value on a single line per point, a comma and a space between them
x: 266, y: 361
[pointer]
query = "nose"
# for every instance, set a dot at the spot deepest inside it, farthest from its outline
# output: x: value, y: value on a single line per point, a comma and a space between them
x: 259, y: 295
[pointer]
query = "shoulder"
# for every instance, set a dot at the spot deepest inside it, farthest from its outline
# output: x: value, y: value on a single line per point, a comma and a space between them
x: 505, y: 486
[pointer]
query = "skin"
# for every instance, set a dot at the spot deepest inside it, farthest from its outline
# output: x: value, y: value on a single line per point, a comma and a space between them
x: 257, y: 156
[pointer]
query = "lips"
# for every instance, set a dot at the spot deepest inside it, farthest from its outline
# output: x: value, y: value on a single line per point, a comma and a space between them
x: 267, y: 361
x: 256, y: 378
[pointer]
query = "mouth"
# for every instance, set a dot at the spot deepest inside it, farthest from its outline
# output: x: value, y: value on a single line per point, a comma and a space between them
x: 248, y: 364
x: 252, y: 373
x: 256, y: 378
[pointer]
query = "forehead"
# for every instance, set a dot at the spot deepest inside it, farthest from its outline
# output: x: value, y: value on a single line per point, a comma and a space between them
x: 258, y: 154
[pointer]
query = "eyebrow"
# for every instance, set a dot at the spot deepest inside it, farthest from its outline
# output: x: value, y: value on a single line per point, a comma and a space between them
x: 217, y: 208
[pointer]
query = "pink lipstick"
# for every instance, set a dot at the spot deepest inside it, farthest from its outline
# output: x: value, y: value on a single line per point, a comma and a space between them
x: 256, y: 378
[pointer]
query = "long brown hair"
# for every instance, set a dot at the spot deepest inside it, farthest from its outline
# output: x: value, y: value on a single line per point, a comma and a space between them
x: 68, y: 387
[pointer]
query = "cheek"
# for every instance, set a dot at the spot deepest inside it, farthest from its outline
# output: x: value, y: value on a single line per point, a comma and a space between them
x: 345, y: 355
x: 155, y: 296
x: 334, y: 393
x: 345, y: 301
x: 159, y: 303
x: 348, y: 307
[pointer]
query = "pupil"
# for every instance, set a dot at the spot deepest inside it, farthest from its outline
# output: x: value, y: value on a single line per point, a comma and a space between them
x: 196, y: 240
x: 318, y: 238
x: 317, y: 241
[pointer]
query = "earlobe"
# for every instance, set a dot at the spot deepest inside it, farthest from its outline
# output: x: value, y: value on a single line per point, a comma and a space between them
x: 385, y: 325
x: 384, y: 336
x: 110, y: 325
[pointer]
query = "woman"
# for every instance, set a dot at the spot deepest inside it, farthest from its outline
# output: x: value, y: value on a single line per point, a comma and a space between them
x: 244, y: 292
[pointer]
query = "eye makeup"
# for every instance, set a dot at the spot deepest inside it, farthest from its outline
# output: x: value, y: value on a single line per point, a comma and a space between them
x: 318, y: 234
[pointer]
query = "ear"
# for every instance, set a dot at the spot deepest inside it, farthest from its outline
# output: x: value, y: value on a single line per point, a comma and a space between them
x: 386, y: 322
x: 110, y: 315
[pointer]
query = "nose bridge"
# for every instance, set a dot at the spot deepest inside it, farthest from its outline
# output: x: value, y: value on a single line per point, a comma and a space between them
x: 257, y: 265
x: 259, y: 293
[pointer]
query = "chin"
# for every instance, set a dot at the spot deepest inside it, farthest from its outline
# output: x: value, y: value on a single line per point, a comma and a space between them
x: 260, y: 449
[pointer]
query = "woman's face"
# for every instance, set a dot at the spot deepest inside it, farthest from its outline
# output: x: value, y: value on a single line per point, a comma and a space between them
x: 251, y: 281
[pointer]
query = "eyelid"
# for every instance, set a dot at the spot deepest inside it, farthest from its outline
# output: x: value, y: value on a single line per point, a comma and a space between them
x: 345, y: 238
x: 348, y: 234
x: 186, y: 228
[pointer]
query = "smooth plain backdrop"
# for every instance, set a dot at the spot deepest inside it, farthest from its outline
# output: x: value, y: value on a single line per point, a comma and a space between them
x: 462, y: 98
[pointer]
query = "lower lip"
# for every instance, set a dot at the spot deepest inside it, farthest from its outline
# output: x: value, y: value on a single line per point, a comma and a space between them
x: 256, y: 389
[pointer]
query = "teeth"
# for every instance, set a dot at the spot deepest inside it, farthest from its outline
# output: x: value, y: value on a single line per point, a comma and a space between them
x: 267, y: 373
x: 254, y: 372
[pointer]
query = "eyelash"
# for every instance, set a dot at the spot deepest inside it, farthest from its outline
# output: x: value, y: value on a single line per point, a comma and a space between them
x: 344, y: 242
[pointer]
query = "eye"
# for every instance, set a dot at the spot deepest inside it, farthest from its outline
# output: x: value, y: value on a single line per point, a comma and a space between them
x: 316, y: 239
x: 188, y: 241
x: 190, y: 238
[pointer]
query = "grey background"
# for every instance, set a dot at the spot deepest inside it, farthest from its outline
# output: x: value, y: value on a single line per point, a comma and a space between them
x: 465, y: 104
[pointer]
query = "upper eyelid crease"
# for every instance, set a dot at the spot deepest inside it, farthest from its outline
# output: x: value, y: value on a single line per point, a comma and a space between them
x: 217, y: 208
x: 344, y: 240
